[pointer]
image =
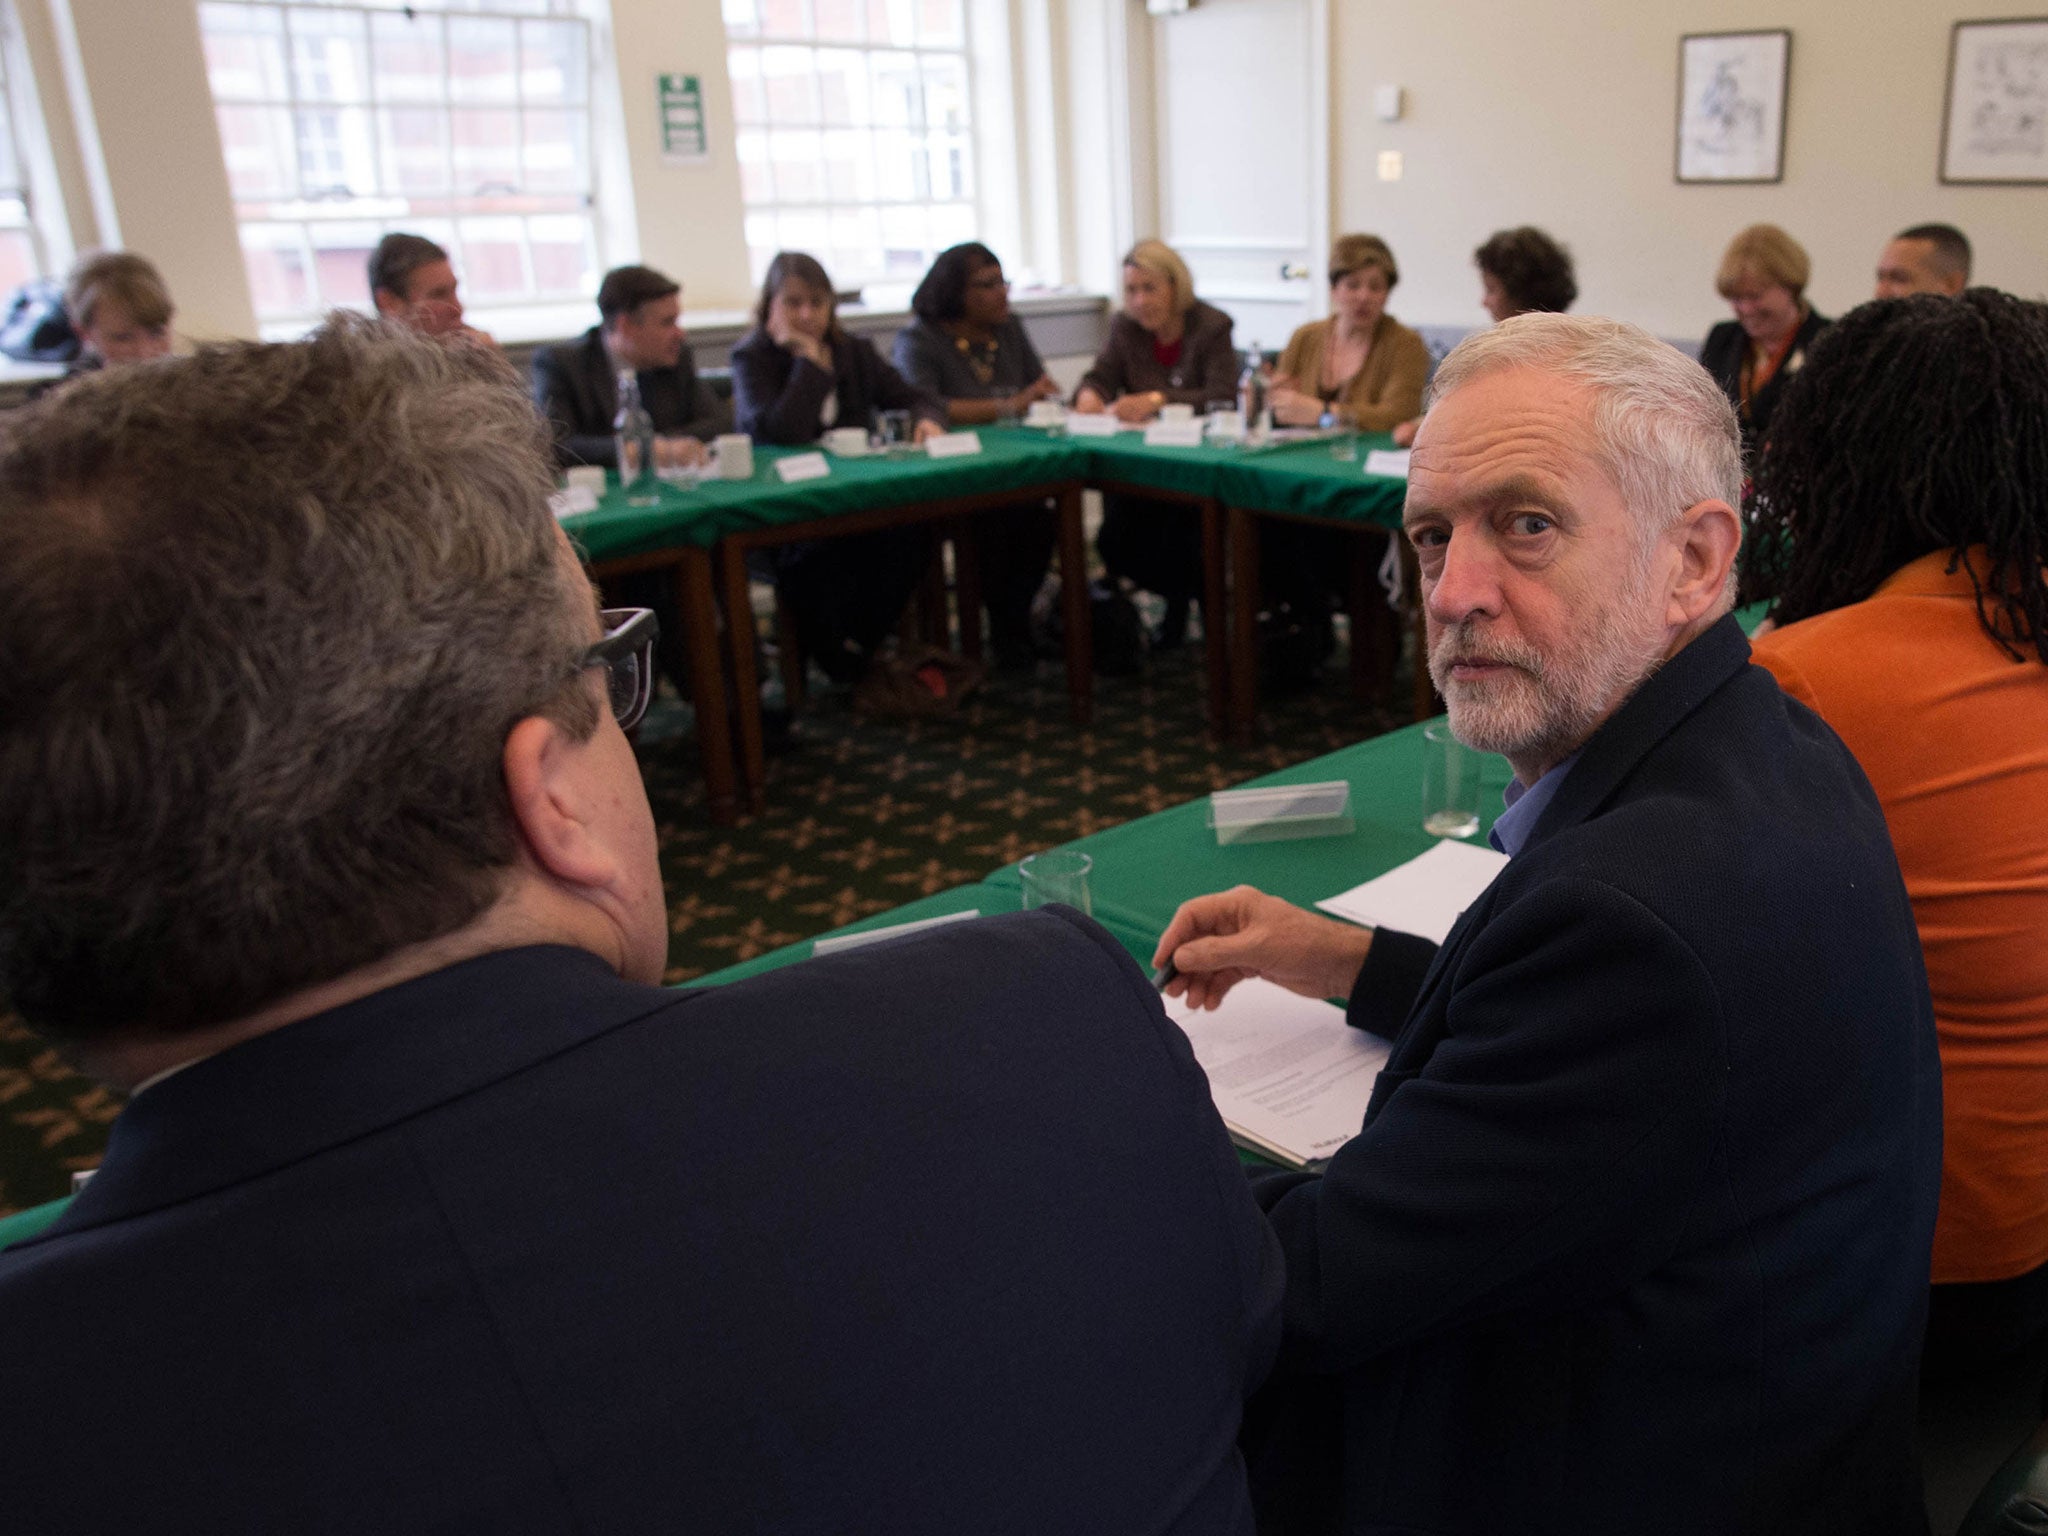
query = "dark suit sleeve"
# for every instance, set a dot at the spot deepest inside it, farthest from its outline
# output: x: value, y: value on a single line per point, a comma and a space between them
x: 1389, y: 982
x: 891, y: 391
x: 1108, y: 375
x: 773, y: 406
x: 1214, y: 370
x: 1543, y: 1155
x: 577, y: 441
x: 917, y: 357
x: 708, y: 415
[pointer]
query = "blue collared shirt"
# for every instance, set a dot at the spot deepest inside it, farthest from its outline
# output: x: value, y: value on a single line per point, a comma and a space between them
x: 1525, y: 805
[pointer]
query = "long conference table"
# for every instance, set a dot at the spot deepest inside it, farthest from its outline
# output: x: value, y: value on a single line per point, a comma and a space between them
x: 703, y: 533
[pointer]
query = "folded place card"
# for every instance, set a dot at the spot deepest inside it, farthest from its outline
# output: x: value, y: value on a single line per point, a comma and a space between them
x: 802, y: 466
x: 1390, y: 462
x: 1101, y: 424
x: 1174, y: 434
x: 954, y: 445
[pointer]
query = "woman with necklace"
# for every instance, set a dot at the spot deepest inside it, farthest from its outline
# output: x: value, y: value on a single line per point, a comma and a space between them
x: 967, y: 348
x: 1763, y: 277
x: 1361, y: 367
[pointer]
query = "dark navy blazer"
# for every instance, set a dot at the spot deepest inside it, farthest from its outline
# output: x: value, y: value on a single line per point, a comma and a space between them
x: 1635, y: 1237
x: 777, y: 395
x: 576, y: 386
x: 935, y: 1236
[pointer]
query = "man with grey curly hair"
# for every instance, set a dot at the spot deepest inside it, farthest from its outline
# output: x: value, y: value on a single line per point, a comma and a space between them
x: 1635, y: 1233
x: 320, y: 836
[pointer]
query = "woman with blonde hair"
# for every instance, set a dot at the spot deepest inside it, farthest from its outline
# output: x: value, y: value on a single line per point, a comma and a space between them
x: 1763, y: 277
x: 1361, y: 367
x: 1165, y: 347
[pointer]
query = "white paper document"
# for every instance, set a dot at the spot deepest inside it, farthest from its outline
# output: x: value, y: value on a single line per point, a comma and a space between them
x: 1174, y: 434
x: 953, y: 445
x: 802, y: 466
x: 1390, y: 462
x: 1423, y: 896
x: 1100, y: 424
x: 1290, y: 1078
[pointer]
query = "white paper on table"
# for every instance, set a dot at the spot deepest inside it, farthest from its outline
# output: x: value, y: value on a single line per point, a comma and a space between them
x: 1100, y: 424
x: 1390, y: 462
x: 953, y: 445
x: 1423, y: 896
x: 1174, y: 434
x: 802, y: 466
x: 567, y: 503
x: 1289, y: 1077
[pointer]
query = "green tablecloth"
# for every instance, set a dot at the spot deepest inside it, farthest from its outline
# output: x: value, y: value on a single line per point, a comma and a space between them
x: 1302, y: 478
x: 1145, y: 869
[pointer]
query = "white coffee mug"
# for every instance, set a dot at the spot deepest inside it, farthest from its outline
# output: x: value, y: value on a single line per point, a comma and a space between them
x: 1225, y: 426
x: 1045, y: 413
x: 587, y: 477
x: 1176, y: 412
x: 847, y: 442
x: 735, y: 454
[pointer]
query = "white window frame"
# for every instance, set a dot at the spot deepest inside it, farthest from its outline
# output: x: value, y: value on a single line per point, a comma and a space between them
x: 304, y: 214
x: 18, y: 203
x: 970, y: 65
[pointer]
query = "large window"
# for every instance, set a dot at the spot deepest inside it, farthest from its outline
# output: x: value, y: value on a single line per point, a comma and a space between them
x: 19, y: 259
x: 854, y: 132
x: 466, y: 123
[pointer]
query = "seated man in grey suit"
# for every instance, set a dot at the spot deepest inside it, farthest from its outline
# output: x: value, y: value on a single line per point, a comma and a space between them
x: 1634, y: 1236
x: 576, y: 385
x: 431, y: 1212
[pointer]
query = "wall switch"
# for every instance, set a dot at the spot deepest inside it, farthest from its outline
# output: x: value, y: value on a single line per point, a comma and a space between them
x: 1390, y: 165
x: 1386, y: 103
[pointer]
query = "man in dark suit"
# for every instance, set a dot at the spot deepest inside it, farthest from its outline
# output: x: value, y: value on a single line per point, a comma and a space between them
x: 429, y: 1211
x: 1635, y: 1234
x: 576, y: 385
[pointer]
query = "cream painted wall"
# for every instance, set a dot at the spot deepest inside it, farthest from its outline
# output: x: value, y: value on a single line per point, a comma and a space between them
x: 1561, y: 114
x: 134, y: 76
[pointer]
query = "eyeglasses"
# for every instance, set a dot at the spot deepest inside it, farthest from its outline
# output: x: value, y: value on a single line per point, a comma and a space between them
x: 990, y: 280
x: 627, y: 655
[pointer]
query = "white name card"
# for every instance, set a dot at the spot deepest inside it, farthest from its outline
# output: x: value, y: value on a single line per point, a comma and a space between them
x: 802, y: 466
x: 1390, y: 462
x: 568, y: 503
x: 954, y: 445
x: 1174, y: 434
x: 1101, y: 424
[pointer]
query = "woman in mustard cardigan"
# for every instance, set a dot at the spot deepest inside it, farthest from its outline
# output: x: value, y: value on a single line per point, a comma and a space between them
x: 1361, y: 365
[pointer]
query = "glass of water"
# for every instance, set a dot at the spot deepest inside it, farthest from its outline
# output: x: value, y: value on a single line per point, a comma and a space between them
x: 1060, y: 875
x: 1450, y: 783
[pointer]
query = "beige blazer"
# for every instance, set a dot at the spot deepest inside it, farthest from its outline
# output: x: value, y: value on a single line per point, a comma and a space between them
x: 1386, y: 391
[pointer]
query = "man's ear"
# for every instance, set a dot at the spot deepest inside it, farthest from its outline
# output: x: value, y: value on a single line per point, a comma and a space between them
x: 1708, y: 535
x: 543, y: 766
x: 389, y: 305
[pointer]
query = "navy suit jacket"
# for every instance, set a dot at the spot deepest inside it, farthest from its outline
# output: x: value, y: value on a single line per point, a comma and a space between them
x: 777, y: 395
x: 577, y: 388
x: 1721, y: 354
x: 1635, y: 1237
x: 935, y: 1236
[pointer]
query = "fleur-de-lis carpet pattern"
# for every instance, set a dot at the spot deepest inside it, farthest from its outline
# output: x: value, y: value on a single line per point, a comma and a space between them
x: 862, y: 816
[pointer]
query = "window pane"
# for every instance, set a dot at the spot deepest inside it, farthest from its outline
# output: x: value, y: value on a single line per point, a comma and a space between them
x: 761, y: 246
x: 486, y: 147
x: 341, y: 261
x: 244, y: 52
x: 807, y: 231
x: 483, y: 59
x: 951, y: 224
x: 856, y: 243
x: 552, y: 63
x: 742, y: 18
x: 757, y: 184
x: 939, y: 24
x: 949, y: 167
x: 556, y: 158
x: 850, y: 166
x: 791, y: 84
x: 415, y: 143
x: 17, y: 259
x: 799, y: 174
x: 337, y: 155
x: 897, y: 163
x: 945, y: 92
x: 10, y: 172
x: 494, y: 259
x: 749, y: 101
x: 892, y: 21
x: 330, y: 57
x: 410, y: 60
x: 257, y: 142
x: 564, y: 253
x: 906, y: 247
x: 785, y: 18
x: 279, y: 279
x: 843, y: 86
x: 840, y: 21
x: 896, y: 91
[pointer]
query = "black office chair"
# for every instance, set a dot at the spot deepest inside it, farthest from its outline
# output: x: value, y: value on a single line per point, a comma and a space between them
x: 2015, y: 1501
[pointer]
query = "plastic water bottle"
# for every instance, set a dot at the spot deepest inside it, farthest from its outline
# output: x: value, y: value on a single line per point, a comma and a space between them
x: 633, y: 433
x: 1251, y: 396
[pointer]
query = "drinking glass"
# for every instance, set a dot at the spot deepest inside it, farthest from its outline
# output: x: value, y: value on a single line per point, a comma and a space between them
x: 1061, y: 875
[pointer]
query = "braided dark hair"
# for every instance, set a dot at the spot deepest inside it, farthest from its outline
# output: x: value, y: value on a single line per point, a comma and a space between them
x: 1917, y: 425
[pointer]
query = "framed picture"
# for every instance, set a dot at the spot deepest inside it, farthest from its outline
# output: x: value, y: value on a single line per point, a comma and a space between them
x: 1995, y: 121
x: 1731, y: 105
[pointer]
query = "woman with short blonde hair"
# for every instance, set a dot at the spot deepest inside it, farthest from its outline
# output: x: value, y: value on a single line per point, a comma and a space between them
x: 1763, y: 276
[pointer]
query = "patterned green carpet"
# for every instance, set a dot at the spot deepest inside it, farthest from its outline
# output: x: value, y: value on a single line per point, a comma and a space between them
x: 862, y: 816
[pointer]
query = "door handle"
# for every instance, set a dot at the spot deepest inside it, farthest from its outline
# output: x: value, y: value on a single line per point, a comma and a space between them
x: 1293, y: 272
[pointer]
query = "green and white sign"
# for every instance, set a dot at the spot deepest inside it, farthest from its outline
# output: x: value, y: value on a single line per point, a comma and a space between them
x: 682, y: 119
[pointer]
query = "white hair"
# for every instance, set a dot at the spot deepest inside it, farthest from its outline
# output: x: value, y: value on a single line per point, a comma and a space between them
x: 1662, y: 428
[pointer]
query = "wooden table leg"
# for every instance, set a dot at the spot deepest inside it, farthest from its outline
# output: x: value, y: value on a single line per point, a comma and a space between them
x: 1244, y: 625
x: 746, y: 683
x: 1074, y: 613
x: 1216, y: 616
x: 966, y: 585
x: 698, y: 608
x: 932, y: 628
